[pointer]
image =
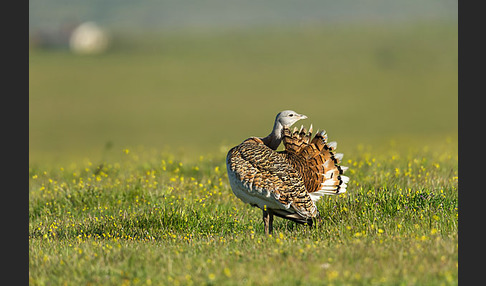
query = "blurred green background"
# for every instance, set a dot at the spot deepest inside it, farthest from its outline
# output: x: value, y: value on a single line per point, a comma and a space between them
x: 196, y: 80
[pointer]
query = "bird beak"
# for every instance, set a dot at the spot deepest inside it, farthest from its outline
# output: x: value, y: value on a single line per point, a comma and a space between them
x: 302, y: 116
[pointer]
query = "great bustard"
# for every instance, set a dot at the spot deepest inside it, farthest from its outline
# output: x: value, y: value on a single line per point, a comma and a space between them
x: 286, y: 183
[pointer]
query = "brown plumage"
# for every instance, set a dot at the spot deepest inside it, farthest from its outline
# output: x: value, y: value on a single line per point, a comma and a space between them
x: 315, y: 161
x: 286, y: 183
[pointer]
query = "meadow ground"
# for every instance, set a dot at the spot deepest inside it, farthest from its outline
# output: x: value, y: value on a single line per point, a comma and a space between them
x: 149, y: 218
x: 127, y: 176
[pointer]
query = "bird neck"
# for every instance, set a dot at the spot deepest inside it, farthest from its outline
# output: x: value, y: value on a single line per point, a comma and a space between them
x: 275, y: 137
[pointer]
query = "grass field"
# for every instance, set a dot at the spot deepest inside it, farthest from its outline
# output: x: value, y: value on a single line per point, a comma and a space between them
x: 128, y: 184
x: 203, y: 91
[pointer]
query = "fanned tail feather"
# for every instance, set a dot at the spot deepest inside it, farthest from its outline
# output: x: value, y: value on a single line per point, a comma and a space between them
x: 297, y: 140
x: 316, y: 161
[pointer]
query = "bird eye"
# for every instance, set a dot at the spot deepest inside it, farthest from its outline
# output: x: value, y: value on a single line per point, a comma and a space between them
x: 291, y: 114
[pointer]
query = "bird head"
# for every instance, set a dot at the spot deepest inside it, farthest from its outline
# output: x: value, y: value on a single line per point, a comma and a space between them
x: 288, y: 117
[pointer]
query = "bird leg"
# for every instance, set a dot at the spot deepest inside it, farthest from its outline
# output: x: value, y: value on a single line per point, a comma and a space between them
x: 268, y: 222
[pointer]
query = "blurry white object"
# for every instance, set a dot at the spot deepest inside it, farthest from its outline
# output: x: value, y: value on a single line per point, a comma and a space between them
x: 89, y: 38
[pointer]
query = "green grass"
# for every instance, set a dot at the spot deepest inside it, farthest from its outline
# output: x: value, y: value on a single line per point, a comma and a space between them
x: 193, y: 94
x: 127, y: 176
x: 147, y: 218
